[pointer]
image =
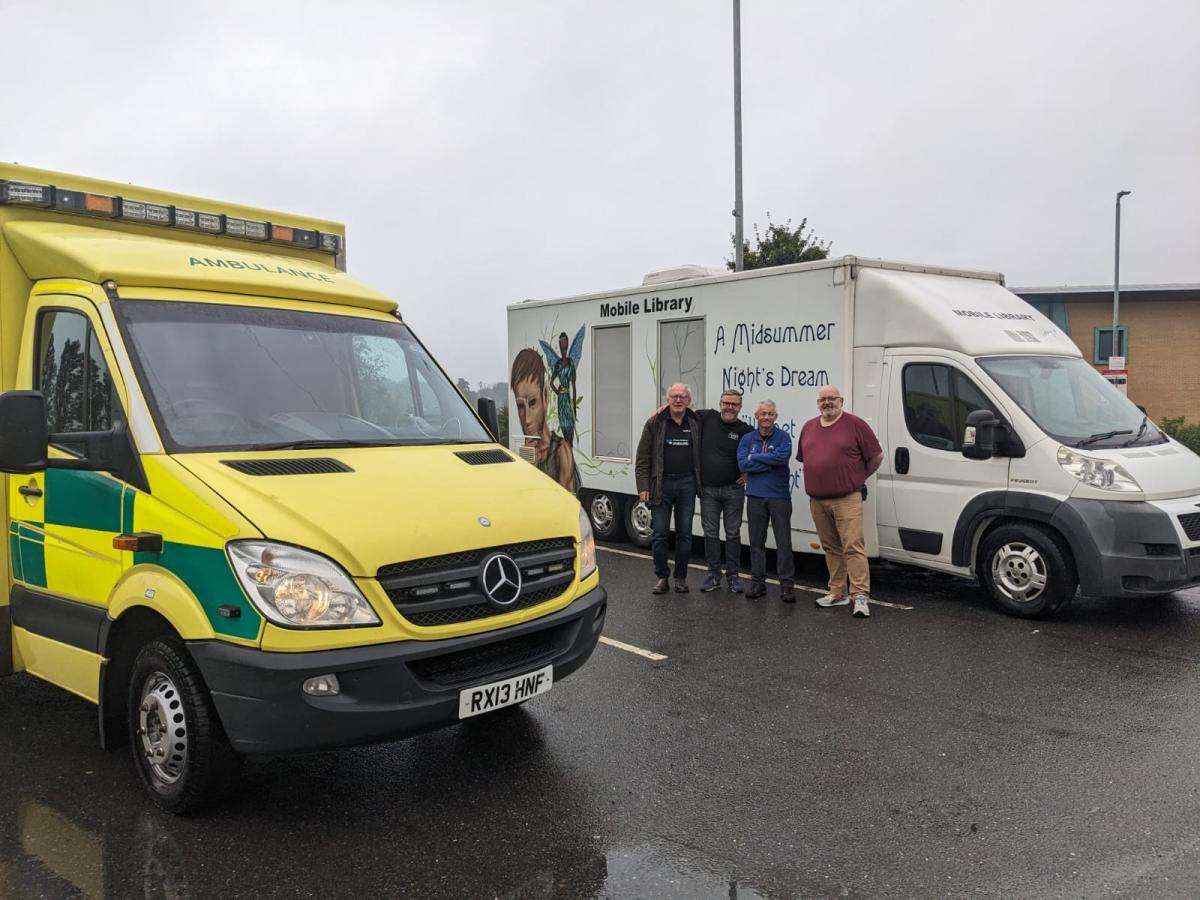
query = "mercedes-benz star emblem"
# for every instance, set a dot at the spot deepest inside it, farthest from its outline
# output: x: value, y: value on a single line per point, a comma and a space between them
x: 485, y: 521
x: 500, y: 577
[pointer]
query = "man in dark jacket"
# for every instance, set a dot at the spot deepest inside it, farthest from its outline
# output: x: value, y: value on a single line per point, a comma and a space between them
x: 722, y: 489
x: 763, y: 455
x: 667, y: 469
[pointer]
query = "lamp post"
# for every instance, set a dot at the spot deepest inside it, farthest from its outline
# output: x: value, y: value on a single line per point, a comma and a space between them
x: 1117, y: 281
x: 737, y: 135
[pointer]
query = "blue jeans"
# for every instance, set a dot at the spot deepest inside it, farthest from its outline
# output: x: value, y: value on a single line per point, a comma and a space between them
x: 678, y: 494
x: 717, y: 503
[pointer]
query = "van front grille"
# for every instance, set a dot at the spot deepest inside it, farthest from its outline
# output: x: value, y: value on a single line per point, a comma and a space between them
x: 444, y: 590
x: 1191, y: 525
x: 522, y: 653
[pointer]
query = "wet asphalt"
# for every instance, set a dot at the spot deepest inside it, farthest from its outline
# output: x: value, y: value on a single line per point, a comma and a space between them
x: 781, y: 751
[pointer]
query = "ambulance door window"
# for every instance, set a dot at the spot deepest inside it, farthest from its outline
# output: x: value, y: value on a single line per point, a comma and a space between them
x: 73, y: 376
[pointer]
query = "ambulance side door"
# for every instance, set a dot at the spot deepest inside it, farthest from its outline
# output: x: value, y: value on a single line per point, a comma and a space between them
x: 66, y: 519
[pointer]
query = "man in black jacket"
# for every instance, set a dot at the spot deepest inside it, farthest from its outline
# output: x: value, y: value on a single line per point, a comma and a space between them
x: 668, y: 478
x: 722, y: 491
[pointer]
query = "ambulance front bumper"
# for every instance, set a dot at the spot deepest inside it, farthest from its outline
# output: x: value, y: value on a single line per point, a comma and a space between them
x: 387, y: 691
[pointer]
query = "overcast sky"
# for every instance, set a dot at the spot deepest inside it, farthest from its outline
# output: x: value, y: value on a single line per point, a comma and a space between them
x: 481, y: 153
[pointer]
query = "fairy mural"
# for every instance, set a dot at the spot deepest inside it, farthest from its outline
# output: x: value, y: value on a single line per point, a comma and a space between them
x: 563, y: 366
x: 553, y: 453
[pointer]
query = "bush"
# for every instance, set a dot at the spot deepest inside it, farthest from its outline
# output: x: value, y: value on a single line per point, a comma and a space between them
x: 1186, y: 433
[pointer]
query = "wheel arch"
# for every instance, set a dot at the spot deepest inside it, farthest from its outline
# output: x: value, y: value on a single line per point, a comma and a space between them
x: 990, y: 509
x: 147, y: 603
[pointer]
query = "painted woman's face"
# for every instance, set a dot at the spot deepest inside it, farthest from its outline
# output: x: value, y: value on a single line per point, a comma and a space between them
x: 531, y: 406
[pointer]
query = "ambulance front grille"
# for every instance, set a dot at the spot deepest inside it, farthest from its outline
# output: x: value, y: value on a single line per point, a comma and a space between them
x: 445, y: 590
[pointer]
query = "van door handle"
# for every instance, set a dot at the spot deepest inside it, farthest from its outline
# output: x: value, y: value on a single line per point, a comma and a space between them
x: 29, y: 490
x: 901, y: 461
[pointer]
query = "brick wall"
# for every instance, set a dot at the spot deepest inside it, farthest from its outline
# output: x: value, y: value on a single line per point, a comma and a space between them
x: 1163, y: 360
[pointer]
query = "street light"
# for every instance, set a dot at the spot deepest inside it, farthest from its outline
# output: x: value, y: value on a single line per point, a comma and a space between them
x: 737, y: 136
x: 1117, y: 281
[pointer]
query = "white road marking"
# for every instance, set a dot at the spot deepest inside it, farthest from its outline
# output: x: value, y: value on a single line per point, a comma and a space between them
x: 621, y: 645
x: 799, y: 587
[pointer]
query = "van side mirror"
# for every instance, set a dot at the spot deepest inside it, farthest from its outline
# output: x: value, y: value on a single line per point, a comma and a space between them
x: 486, y: 407
x: 23, y: 437
x: 979, y: 435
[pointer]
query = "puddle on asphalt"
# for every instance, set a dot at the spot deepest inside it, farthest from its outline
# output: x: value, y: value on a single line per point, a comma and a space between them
x: 650, y: 872
x: 54, y: 856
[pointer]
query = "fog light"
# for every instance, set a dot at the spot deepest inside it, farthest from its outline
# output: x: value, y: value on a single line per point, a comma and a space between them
x: 321, y: 686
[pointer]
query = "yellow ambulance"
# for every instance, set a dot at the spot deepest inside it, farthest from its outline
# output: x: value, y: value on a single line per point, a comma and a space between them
x: 247, y: 511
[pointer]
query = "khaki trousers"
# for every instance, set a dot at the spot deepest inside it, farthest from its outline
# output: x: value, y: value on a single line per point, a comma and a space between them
x: 839, y: 522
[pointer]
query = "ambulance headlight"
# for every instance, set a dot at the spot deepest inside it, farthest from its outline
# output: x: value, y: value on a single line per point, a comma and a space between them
x: 298, y: 588
x: 1098, y: 473
x: 587, y: 546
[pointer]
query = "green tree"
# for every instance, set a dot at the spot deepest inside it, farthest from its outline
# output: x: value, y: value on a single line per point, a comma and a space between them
x: 780, y: 246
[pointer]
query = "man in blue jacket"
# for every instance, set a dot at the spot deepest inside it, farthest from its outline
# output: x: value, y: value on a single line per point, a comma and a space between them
x: 763, y: 455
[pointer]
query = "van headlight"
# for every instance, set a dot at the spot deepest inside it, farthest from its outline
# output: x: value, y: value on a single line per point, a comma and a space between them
x: 1098, y: 473
x: 587, y: 546
x: 298, y: 588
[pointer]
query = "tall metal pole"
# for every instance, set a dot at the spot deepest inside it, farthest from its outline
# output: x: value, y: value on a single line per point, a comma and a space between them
x: 737, y: 135
x: 1117, y: 278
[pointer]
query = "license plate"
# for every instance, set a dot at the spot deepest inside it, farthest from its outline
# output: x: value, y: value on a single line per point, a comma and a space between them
x: 498, y: 694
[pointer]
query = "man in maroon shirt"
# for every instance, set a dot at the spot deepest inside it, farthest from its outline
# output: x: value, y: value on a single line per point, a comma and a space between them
x: 839, y: 453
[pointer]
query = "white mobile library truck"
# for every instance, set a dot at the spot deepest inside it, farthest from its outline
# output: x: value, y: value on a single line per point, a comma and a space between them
x: 1006, y: 455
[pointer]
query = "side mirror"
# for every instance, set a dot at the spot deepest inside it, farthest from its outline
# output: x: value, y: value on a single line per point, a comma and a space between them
x: 23, y: 437
x: 979, y: 435
x: 1141, y: 409
x: 486, y: 407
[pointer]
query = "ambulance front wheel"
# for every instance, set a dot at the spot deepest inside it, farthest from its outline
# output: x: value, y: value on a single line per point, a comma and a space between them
x: 179, y: 747
x: 638, y: 524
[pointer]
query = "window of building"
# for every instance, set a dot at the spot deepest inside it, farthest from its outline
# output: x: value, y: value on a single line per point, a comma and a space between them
x: 1102, y: 344
x: 1055, y: 311
x: 681, y: 358
x: 612, y: 437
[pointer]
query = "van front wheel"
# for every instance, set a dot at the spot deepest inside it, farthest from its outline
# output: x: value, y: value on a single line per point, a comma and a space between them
x: 179, y: 747
x: 1027, y: 570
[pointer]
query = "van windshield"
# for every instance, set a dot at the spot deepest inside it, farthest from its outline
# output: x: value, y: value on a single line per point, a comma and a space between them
x: 1071, y: 401
x: 221, y: 377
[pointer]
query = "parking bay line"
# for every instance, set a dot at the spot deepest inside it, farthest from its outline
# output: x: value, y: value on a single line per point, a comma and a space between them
x: 799, y: 587
x: 621, y: 645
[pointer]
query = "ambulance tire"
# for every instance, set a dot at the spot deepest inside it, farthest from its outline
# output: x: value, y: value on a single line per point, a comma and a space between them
x: 605, y: 512
x: 637, y: 522
x: 179, y: 747
x: 1028, y: 570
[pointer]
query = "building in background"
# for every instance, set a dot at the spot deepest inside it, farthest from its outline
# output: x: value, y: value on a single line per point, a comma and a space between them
x: 1159, y: 335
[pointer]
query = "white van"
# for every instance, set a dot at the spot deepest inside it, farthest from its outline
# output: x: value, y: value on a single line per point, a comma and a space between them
x: 1007, y: 456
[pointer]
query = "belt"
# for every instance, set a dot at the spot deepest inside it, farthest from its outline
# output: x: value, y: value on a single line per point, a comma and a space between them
x: 678, y: 475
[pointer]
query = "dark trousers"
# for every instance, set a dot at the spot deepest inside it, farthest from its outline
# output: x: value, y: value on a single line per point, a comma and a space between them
x: 717, y: 503
x: 678, y: 496
x: 777, y: 511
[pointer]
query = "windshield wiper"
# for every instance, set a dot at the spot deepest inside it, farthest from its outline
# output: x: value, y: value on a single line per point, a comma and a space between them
x: 1141, y: 430
x: 316, y: 443
x: 1103, y: 436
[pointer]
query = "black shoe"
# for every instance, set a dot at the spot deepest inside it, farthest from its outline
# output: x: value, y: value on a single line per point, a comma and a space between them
x: 681, y: 586
x: 661, y: 586
x: 787, y: 595
x: 756, y: 590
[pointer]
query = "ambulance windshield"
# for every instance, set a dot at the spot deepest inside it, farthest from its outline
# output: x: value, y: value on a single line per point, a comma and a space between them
x: 223, y: 377
x: 1071, y: 401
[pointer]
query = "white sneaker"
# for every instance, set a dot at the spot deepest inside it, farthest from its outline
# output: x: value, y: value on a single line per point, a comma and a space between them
x: 830, y: 600
x: 861, y: 610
